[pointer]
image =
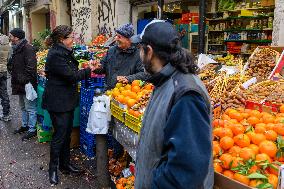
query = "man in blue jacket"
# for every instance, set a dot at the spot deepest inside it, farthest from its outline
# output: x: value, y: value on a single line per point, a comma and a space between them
x: 174, y: 150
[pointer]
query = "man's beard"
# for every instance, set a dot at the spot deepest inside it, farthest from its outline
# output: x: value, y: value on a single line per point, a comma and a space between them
x: 148, y: 66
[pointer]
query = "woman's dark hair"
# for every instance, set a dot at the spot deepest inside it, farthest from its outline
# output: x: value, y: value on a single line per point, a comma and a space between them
x: 59, y: 33
x: 178, y: 57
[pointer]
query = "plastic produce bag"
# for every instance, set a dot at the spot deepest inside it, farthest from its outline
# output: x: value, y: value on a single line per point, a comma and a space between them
x: 99, y: 115
x: 30, y: 92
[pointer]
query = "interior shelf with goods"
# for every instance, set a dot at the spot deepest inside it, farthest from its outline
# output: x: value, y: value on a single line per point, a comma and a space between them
x: 246, y: 23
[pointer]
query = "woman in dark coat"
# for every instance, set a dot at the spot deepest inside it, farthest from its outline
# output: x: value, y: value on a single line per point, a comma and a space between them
x: 61, y: 97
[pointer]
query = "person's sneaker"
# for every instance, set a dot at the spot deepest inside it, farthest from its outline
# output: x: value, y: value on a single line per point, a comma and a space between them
x: 6, y: 118
x: 21, y: 130
x: 29, y: 135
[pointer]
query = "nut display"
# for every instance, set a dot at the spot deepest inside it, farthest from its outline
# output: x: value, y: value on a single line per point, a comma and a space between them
x: 262, y: 62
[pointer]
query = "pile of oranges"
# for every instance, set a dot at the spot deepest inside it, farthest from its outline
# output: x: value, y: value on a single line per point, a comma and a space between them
x: 247, y: 146
x: 126, y: 183
x: 130, y: 94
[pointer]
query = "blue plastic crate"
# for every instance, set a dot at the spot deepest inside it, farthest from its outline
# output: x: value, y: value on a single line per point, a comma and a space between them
x: 87, y: 149
x: 93, y: 82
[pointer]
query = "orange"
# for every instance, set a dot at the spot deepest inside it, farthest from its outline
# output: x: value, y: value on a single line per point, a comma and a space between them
x: 236, y: 162
x: 119, y: 186
x: 223, y: 132
x: 262, y: 157
x: 247, y: 153
x: 136, y: 89
x: 127, y: 87
x: 279, y: 120
x: 273, y: 179
x: 131, y: 112
x: 254, y: 148
x: 242, y: 140
x: 254, y: 183
x: 245, y: 115
x: 268, y: 119
x: 248, y: 111
x: 218, y: 123
x: 253, y: 120
x: 125, y: 100
x: 148, y: 87
x: 236, y: 115
x: 253, y: 169
x: 120, y: 98
x: 225, y: 117
x: 132, y: 95
x: 137, y: 114
x: 131, y: 102
x: 226, y: 160
x: 257, y: 138
x: 279, y: 128
x: 270, y: 126
x: 217, y: 167
x: 135, y: 83
x: 226, y: 143
x: 235, y: 151
x: 270, y: 135
x: 249, y: 134
x: 115, y: 93
x: 238, y: 129
x: 216, y: 148
x: 282, y: 108
x: 228, y: 174
x: 268, y: 147
x: 259, y: 129
x: 229, y: 110
x: 241, y: 110
x: 255, y: 113
x: 241, y: 178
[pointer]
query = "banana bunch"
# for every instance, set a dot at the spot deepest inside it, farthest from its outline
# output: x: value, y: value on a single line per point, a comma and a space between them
x: 225, y: 59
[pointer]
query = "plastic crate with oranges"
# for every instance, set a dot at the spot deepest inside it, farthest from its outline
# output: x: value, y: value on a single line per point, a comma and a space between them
x: 117, y: 111
x: 132, y: 122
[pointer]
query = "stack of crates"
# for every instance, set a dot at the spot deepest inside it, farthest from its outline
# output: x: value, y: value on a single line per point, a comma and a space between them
x: 87, y: 92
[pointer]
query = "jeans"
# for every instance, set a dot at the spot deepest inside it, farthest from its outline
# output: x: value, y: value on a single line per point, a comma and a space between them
x: 60, y: 145
x: 5, y: 102
x: 29, y: 110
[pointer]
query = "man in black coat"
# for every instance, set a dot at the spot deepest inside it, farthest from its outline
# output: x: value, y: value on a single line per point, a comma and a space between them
x: 23, y: 68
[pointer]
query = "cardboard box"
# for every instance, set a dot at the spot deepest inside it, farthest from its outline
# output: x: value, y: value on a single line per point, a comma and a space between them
x: 223, y: 182
x: 75, y: 138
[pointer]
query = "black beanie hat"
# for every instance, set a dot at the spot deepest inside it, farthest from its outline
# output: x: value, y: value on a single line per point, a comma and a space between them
x: 18, y: 32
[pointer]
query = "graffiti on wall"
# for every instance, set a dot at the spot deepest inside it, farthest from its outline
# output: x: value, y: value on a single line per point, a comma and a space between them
x: 278, y: 19
x: 106, y: 16
x: 81, y: 22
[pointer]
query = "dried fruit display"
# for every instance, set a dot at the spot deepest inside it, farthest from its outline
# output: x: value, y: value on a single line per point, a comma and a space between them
x: 277, y: 96
x: 116, y: 166
x: 233, y: 100
x: 262, y: 62
x: 260, y: 91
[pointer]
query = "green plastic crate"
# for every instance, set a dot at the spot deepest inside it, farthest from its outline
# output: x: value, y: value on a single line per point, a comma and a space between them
x: 43, y: 136
x: 40, y: 90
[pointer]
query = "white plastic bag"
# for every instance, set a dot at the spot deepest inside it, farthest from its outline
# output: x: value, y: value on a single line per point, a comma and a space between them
x: 30, y: 92
x: 99, y: 115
